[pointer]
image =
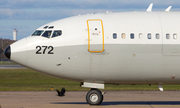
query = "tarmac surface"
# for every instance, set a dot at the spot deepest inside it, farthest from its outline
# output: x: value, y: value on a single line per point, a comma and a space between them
x: 11, y: 67
x: 112, y: 99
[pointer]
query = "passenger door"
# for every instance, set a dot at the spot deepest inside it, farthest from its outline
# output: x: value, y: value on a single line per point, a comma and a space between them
x: 95, y: 35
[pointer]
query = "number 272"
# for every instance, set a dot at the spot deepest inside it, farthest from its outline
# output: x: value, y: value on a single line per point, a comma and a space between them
x: 42, y: 49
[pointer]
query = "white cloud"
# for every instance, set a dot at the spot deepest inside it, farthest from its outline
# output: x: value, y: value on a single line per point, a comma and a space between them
x: 9, y: 13
x: 27, y: 15
x: 85, y: 4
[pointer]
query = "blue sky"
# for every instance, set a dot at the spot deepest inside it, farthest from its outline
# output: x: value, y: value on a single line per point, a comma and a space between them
x: 28, y: 15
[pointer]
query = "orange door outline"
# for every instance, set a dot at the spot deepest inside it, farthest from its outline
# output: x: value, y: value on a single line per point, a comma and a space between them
x: 89, y: 36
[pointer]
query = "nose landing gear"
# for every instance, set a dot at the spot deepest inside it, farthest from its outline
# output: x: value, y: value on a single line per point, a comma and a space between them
x: 94, y: 97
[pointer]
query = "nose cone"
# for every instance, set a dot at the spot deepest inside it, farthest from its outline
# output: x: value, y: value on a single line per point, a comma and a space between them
x: 7, y: 52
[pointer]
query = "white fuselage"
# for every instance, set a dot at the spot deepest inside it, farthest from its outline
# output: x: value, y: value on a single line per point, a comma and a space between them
x: 115, y: 48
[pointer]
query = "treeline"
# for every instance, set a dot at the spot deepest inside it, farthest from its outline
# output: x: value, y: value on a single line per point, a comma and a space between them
x: 4, y: 43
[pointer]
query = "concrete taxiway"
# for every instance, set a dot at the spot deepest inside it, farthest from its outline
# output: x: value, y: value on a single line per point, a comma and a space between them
x: 11, y: 67
x: 112, y: 99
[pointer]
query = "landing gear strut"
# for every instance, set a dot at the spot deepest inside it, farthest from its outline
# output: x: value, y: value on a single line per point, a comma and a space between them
x: 94, y: 97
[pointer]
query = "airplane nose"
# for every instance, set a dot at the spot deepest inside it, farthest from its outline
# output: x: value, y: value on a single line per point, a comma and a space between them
x: 7, y: 52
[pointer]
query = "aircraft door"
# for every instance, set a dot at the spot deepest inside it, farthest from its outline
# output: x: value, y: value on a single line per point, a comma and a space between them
x: 95, y: 35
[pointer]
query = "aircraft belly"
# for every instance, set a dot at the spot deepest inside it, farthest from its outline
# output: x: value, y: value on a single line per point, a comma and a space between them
x: 122, y: 64
x: 47, y: 63
x: 19, y: 57
x: 119, y: 64
x: 171, y: 50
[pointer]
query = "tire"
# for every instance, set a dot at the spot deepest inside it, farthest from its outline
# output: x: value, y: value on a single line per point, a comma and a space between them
x: 94, y: 97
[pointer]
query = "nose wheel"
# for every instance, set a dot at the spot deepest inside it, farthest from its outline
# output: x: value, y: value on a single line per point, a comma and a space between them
x: 94, y: 97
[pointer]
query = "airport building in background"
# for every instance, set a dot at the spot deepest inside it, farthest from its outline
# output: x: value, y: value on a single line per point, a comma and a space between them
x: 15, y: 35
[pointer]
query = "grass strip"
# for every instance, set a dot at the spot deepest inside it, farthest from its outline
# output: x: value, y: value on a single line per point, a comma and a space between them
x: 29, y: 80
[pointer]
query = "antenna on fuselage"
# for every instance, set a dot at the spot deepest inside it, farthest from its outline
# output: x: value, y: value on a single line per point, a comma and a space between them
x: 150, y: 8
x: 168, y: 9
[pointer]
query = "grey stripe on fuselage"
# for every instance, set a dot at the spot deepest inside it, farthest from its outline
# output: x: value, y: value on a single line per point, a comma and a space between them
x: 122, y: 63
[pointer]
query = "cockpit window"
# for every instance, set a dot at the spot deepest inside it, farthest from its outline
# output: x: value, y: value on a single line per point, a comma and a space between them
x: 45, y: 27
x: 47, y: 34
x: 51, y: 27
x: 37, y: 33
x: 57, y: 33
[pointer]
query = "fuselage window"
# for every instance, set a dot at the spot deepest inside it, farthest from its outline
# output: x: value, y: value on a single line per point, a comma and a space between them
x: 114, y: 36
x: 132, y: 35
x: 175, y: 36
x: 57, y: 33
x: 157, y: 36
x: 37, y: 33
x: 149, y: 35
x: 47, y: 34
x: 123, y: 36
x: 140, y: 35
x: 167, y: 36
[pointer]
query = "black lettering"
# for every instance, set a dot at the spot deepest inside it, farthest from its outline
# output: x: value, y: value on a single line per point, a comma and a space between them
x: 39, y: 49
x: 51, y: 49
x: 44, y: 51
